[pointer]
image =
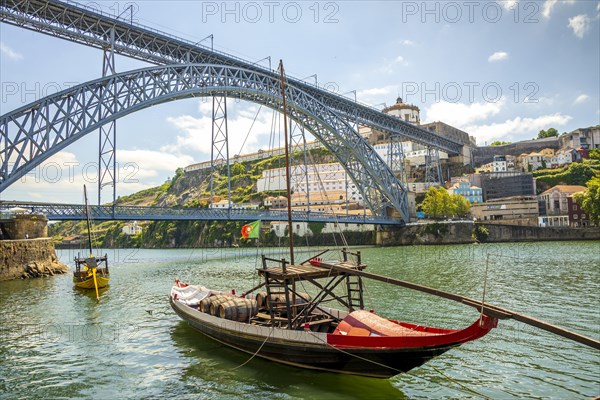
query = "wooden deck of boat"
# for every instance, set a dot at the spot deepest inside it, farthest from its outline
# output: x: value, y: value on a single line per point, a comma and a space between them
x: 306, y: 271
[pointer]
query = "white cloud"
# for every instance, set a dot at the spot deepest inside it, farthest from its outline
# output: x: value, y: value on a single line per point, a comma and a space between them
x: 399, y: 59
x: 407, y: 42
x: 509, y: 4
x: 498, y: 56
x: 580, y: 25
x: 381, y: 91
x: 516, y: 129
x: 10, y: 53
x: 60, y: 178
x: 582, y: 98
x: 378, y: 95
x: 143, y: 165
x: 461, y: 115
x: 197, y: 131
x: 548, y: 6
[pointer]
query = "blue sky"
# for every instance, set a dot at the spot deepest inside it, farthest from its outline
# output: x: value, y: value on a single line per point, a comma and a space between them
x: 498, y: 70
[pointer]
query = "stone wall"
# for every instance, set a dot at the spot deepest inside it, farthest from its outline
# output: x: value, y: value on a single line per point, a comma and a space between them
x: 32, y: 226
x: 434, y: 233
x: 513, y: 233
x: 485, y: 154
x: 29, y: 258
x: 461, y: 232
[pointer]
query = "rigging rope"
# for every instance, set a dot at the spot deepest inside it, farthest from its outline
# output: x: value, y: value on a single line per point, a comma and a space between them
x: 249, y: 130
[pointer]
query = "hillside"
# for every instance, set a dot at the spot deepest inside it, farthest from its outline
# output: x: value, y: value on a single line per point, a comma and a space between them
x: 191, y: 189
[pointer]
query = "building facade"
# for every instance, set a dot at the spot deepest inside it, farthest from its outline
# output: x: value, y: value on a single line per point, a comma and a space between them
x: 577, y: 216
x: 132, y: 229
x: 588, y: 138
x: 310, y: 179
x: 515, y: 210
x: 497, y: 185
x: 472, y: 193
x: 556, y: 199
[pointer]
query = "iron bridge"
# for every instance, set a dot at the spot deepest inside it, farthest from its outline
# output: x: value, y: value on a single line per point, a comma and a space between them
x: 75, y: 212
x: 35, y: 132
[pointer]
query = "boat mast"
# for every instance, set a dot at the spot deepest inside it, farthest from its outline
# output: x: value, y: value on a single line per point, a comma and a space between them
x: 287, y: 165
x: 87, y: 216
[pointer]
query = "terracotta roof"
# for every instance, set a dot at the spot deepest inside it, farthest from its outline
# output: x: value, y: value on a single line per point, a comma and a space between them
x: 566, y: 189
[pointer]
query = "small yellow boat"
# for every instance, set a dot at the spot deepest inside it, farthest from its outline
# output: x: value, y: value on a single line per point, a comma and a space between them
x: 91, y: 272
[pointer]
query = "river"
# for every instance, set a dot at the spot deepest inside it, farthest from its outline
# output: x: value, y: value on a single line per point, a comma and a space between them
x: 58, y: 342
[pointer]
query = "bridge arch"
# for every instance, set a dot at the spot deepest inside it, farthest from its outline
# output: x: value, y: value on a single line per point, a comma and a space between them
x: 35, y: 132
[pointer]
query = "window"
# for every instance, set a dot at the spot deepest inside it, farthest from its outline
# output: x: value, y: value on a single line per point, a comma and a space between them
x: 574, y: 207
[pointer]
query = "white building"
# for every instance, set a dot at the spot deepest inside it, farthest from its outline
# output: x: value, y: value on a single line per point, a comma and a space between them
x: 313, y: 178
x: 499, y: 164
x: 562, y: 157
x: 404, y: 111
x: 225, y: 203
x: 302, y: 229
x: 132, y: 229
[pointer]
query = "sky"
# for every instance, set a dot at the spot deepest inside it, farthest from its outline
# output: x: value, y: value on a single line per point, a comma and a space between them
x: 499, y: 70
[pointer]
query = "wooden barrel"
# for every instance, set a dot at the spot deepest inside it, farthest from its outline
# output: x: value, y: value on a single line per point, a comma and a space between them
x: 261, y: 299
x: 238, y: 309
x: 206, y: 302
x: 280, y: 298
x: 214, y: 305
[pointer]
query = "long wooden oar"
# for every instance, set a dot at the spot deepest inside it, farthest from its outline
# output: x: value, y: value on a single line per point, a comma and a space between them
x: 95, y: 284
x: 488, y: 309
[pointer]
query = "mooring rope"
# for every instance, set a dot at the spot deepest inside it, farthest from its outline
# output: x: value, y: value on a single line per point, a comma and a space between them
x: 257, y: 351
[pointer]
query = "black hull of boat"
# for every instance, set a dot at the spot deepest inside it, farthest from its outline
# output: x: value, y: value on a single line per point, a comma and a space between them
x: 377, y: 362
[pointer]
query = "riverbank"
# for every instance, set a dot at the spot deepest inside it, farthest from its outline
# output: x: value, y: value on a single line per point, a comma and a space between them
x: 29, y: 258
x: 464, y: 232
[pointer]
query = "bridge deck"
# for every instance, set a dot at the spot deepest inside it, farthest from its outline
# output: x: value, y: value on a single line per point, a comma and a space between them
x: 69, y: 212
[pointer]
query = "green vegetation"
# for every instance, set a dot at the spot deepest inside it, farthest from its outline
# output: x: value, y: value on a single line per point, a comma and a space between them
x: 574, y: 174
x: 192, y: 190
x: 438, y: 203
x: 499, y: 143
x: 590, y: 199
x: 595, y: 154
x: 549, y: 133
x: 480, y: 233
x: 147, y: 197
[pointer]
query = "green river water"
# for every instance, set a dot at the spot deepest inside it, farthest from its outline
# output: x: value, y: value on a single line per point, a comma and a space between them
x: 58, y: 342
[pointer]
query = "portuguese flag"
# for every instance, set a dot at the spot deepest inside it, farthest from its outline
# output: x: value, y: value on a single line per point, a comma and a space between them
x: 251, y: 230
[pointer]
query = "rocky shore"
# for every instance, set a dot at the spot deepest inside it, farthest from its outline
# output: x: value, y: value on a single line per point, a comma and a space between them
x: 29, y: 258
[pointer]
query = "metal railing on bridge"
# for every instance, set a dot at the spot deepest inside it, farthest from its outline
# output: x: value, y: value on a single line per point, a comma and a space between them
x: 69, y: 212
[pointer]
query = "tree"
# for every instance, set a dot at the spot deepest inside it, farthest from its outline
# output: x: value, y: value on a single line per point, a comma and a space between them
x: 590, y: 200
x: 551, y: 132
x: 499, y: 143
x: 579, y: 174
x: 595, y: 154
x: 461, y: 205
x: 438, y: 203
x: 432, y: 204
x: 238, y: 169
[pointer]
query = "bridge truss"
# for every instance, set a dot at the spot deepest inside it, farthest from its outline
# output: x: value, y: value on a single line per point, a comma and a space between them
x: 33, y: 133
